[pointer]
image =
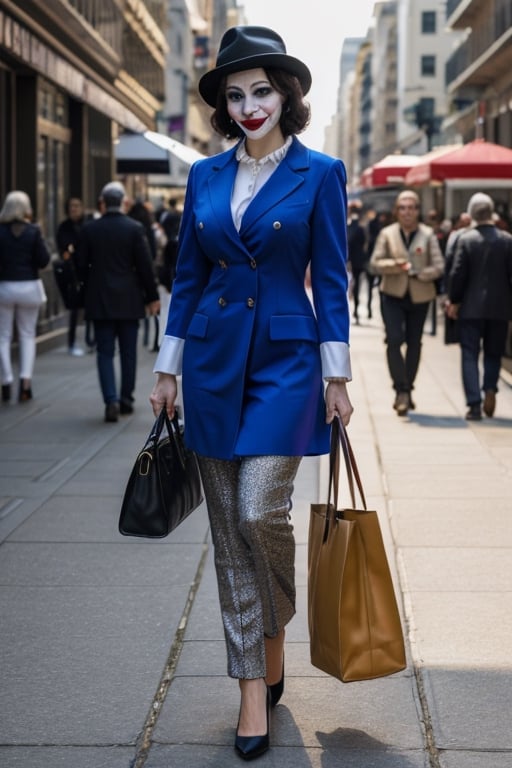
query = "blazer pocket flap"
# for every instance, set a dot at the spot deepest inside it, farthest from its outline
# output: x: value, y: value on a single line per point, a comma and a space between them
x: 198, y: 326
x: 300, y: 327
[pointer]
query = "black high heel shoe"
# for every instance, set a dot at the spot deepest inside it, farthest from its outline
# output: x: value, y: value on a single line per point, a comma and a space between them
x: 250, y: 747
x: 25, y: 393
x: 277, y: 689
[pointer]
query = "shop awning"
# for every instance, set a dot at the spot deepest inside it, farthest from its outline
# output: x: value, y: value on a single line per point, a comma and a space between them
x: 152, y: 152
x: 392, y: 169
x: 478, y: 159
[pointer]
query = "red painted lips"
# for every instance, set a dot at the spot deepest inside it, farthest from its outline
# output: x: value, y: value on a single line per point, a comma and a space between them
x: 253, y: 125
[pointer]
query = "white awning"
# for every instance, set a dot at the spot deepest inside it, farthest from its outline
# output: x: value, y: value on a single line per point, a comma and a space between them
x: 152, y: 152
x: 187, y: 154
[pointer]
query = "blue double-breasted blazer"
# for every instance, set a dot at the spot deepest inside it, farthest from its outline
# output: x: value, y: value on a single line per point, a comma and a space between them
x: 254, y: 348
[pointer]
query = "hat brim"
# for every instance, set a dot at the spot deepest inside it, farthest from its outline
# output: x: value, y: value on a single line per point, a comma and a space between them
x: 209, y: 83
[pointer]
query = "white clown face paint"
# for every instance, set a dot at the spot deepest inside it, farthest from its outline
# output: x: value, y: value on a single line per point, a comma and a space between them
x: 253, y: 103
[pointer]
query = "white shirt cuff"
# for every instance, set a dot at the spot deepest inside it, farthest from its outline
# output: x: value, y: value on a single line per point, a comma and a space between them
x: 335, y: 356
x: 170, y: 356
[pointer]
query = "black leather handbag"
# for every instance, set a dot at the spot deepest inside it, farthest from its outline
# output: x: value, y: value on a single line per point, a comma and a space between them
x: 164, y: 486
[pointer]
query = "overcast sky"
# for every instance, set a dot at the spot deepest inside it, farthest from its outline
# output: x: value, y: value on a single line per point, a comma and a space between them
x: 314, y: 33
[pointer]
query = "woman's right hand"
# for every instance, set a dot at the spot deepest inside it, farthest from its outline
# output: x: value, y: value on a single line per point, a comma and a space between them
x: 164, y: 394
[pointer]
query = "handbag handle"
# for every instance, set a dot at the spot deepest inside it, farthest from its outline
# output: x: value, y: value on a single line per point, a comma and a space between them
x: 173, y: 429
x: 339, y: 437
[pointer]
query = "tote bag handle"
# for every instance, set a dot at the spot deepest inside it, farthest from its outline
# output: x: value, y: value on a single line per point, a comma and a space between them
x: 339, y: 437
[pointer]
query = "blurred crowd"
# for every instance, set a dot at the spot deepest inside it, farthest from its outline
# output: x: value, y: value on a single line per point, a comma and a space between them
x: 404, y: 259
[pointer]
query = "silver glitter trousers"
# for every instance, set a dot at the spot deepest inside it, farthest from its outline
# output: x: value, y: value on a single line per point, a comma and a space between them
x: 249, y: 503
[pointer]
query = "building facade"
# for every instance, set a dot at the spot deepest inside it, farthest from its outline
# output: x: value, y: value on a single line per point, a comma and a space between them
x: 384, y: 80
x: 398, y: 91
x: 424, y: 45
x: 345, y: 123
x: 73, y: 75
x: 479, y: 72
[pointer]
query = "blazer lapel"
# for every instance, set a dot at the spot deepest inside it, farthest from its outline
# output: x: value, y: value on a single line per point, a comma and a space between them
x: 398, y: 245
x: 220, y: 185
x: 287, y: 177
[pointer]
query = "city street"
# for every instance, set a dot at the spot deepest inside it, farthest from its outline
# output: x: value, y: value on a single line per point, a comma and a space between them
x: 111, y: 649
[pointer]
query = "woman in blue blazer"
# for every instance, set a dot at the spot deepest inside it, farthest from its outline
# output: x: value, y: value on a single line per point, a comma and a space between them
x: 254, y: 346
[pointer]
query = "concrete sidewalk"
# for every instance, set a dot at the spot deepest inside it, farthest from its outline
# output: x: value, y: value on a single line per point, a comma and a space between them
x: 112, y: 651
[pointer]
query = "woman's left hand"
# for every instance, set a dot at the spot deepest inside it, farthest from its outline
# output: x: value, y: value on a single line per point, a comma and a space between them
x: 337, y: 402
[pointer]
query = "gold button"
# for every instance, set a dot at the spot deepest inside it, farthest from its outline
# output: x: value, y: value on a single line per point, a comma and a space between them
x: 277, y: 225
x: 223, y: 264
x: 201, y: 225
x: 222, y: 301
x: 253, y: 264
x: 250, y: 303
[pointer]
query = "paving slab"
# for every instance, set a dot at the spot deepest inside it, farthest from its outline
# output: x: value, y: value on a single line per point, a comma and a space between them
x: 465, y: 759
x: 98, y: 564
x: 457, y: 569
x: 337, y: 756
x: 66, y: 757
x: 81, y: 665
x: 90, y: 518
x: 463, y: 629
x: 425, y: 522
x: 384, y: 711
x: 471, y: 709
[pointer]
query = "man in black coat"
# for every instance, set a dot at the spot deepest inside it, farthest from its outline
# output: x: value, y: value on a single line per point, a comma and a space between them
x: 358, y: 257
x: 114, y: 262
x: 68, y: 236
x: 480, y: 295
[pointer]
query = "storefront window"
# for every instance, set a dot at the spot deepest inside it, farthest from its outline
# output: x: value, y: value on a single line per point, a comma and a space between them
x: 54, y: 137
x: 61, y: 109
x: 46, y: 96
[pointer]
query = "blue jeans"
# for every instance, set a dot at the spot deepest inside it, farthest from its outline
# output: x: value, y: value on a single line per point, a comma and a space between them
x: 493, y: 334
x: 106, y: 333
x: 404, y: 323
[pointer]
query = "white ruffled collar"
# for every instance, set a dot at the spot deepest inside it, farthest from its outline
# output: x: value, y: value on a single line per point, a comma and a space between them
x: 274, y: 157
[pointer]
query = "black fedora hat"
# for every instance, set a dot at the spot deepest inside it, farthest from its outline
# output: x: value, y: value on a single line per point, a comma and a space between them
x: 243, y: 48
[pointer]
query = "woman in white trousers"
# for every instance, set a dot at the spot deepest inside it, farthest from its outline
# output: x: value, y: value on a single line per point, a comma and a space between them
x: 22, y: 254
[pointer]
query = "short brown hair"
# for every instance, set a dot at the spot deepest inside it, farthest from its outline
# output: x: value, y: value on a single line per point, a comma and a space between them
x: 294, y: 118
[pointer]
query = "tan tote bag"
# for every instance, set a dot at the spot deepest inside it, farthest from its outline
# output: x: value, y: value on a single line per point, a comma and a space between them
x: 354, y: 623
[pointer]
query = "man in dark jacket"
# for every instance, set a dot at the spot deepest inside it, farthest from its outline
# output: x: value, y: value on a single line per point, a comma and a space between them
x: 68, y: 235
x: 358, y: 257
x: 480, y: 295
x: 114, y: 262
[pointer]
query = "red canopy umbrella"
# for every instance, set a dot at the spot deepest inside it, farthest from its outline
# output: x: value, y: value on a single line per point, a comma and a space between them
x: 392, y: 169
x: 477, y: 160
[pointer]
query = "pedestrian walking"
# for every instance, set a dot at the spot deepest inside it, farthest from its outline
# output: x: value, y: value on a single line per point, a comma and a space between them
x: 114, y: 262
x: 22, y: 254
x: 408, y: 259
x: 461, y: 224
x: 68, y: 235
x: 480, y: 296
x: 358, y: 258
x: 170, y: 222
x: 141, y: 211
x: 252, y: 352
